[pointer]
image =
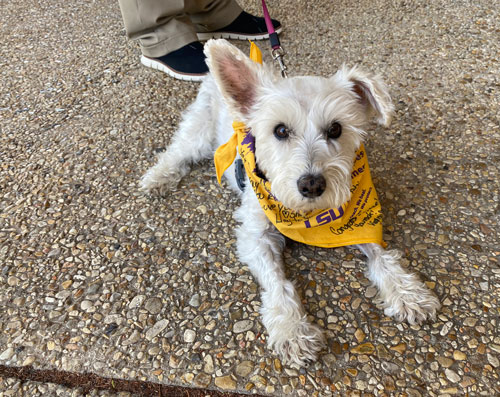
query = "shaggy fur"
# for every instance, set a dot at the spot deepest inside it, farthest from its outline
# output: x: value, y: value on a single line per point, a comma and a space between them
x: 239, y: 89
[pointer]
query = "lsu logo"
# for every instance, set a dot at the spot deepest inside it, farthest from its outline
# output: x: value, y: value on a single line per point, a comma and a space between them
x: 325, y: 217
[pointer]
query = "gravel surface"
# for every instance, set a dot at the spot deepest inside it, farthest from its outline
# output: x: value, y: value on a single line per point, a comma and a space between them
x: 97, y: 277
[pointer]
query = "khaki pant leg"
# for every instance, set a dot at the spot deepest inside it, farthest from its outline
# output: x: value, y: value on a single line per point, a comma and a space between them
x: 163, y: 26
x: 160, y: 26
x: 210, y: 15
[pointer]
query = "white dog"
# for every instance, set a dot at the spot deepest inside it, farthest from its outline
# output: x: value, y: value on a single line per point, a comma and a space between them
x: 307, y: 131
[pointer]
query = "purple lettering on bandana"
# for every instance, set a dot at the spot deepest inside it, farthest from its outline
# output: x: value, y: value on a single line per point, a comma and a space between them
x: 249, y: 140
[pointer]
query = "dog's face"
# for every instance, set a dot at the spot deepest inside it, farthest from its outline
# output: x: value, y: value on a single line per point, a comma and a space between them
x: 306, y: 129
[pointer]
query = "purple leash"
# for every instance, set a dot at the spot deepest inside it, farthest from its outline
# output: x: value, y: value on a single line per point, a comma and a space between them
x: 277, y: 50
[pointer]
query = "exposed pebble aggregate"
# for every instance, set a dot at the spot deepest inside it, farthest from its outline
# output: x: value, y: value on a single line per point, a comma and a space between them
x: 97, y: 277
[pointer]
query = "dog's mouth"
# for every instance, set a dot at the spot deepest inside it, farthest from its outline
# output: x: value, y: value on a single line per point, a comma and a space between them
x: 313, y: 194
x: 314, y: 204
x: 328, y: 188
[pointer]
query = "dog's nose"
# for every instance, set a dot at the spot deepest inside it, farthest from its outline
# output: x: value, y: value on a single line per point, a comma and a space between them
x: 311, y: 186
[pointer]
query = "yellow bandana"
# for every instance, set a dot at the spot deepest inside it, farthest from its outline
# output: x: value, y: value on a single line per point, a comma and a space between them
x: 359, y: 221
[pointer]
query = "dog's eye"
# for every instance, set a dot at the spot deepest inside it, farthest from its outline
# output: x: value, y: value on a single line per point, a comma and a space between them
x: 334, y: 131
x: 281, y: 132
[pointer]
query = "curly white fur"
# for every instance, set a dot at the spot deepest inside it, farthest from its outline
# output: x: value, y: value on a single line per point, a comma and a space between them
x: 241, y: 89
x: 402, y: 294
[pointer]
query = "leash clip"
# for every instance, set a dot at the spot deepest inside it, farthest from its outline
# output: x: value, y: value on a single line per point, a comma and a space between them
x: 278, y: 53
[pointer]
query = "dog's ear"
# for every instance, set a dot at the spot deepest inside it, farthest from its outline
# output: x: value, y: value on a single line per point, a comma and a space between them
x: 234, y: 73
x: 372, y: 93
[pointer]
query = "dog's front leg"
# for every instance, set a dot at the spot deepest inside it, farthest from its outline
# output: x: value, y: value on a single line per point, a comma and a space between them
x: 193, y: 141
x: 403, y: 295
x: 260, y: 246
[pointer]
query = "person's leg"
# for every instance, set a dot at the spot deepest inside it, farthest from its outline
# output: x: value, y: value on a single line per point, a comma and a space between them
x: 210, y: 15
x: 166, y: 36
x: 160, y: 27
x: 168, y: 31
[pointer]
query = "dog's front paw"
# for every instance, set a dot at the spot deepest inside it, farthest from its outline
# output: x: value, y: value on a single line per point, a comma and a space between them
x: 297, y: 343
x: 413, y: 304
x: 156, y: 179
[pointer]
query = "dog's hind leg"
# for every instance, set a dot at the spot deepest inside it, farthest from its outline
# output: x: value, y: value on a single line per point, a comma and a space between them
x: 193, y: 141
x: 260, y: 246
x: 402, y: 294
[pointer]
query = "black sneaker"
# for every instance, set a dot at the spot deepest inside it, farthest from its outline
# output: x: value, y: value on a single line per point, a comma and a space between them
x: 245, y: 27
x: 186, y: 63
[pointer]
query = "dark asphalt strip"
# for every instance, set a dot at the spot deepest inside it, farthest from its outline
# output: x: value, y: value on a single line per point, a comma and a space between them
x: 88, y: 381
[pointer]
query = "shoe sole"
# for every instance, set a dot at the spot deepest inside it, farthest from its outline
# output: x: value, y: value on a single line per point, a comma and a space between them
x: 151, y: 63
x: 234, y: 36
